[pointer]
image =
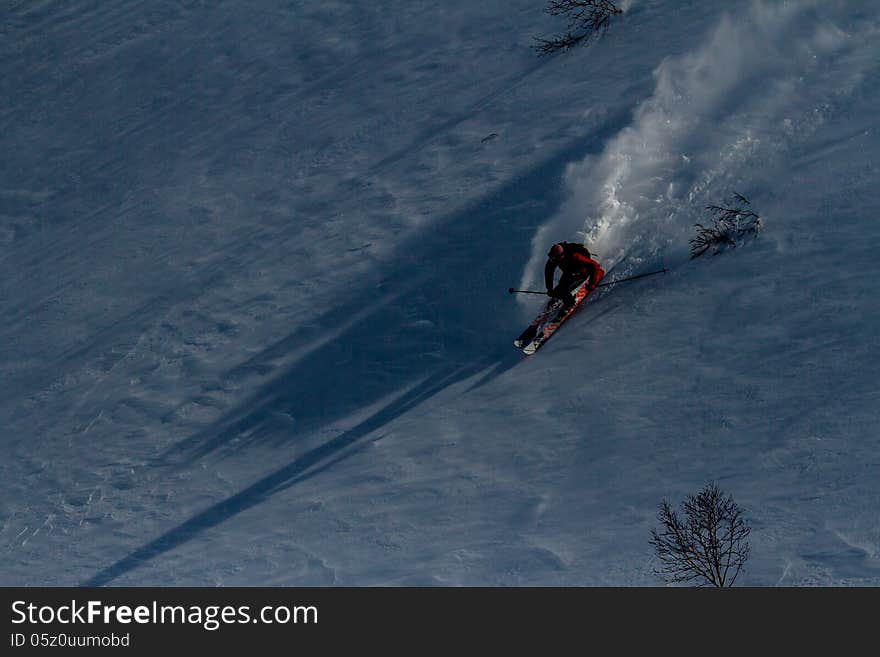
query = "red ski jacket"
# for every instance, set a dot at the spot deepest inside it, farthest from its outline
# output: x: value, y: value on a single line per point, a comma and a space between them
x: 576, y: 265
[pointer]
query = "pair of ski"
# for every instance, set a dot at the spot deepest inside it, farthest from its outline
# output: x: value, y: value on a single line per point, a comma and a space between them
x: 548, y: 322
x: 550, y: 319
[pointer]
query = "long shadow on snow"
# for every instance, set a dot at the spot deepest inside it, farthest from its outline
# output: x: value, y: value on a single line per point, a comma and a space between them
x: 439, y: 316
x: 306, y: 466
x: 445, y: 317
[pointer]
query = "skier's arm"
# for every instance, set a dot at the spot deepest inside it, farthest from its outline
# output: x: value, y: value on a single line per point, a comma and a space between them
x: 594, y: 271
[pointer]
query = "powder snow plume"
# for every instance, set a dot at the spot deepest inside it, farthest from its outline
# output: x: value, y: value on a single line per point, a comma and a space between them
x: 715, y: 124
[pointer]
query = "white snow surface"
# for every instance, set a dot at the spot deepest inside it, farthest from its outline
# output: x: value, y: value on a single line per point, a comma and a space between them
x: 254, y: 261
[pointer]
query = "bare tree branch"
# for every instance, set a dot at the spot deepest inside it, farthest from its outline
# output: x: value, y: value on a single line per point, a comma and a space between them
x: 707, y: 545
x: 730, y: 225
x: 586, y: 19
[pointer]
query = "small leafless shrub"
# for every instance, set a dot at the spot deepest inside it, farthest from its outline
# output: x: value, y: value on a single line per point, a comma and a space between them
x: 586, y: 19
x: 731, y: 224
x: 707, y: 544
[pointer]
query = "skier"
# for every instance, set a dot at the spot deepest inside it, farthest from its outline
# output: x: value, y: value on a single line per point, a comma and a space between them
x: 577, y: 266
x: 581, y: 274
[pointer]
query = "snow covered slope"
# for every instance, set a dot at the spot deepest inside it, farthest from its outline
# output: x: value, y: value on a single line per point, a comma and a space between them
x: 253, y: 273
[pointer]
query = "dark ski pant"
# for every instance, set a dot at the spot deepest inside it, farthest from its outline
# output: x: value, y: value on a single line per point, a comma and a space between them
x: 567, y: 283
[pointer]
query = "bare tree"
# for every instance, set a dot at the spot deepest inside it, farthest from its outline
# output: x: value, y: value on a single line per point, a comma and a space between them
x: 707, y: 545
x: 730, y: 225
x: 586, y: 18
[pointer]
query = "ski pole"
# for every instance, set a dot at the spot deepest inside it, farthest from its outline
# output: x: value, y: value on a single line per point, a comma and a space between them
x: 622, y: 280
x: 632, y: 278
x: 511, y: 291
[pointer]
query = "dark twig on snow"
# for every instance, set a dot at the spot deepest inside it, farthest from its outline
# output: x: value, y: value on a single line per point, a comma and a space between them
x: 586, y: 19
x: 730, y: 225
